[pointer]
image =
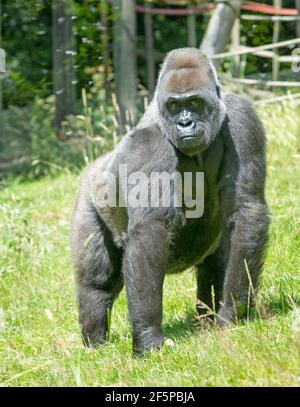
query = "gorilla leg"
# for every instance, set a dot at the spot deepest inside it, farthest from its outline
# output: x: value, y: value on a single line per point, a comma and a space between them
x: 98, y: 266
x: 210, y: 277
x: 247, y: 247
x: 143, y: 268
x: 94, y: 308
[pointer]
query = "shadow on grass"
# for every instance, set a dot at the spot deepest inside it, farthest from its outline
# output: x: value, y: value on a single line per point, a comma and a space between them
x: 189, y: 324
x: 181, y: 327
x: 279, y: 306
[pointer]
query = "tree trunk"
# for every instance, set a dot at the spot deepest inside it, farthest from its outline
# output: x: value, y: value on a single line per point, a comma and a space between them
x: 63, y: 52
x: 297, y: 2
x: 219, y: 28
x: 125, y: 59
x: 2, y: 68
x: 148, y: 24
x: 191, y: 27
x: 105, y: 44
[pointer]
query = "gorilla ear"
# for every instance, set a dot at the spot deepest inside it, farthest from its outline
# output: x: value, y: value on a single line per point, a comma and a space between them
x: 215, y: 76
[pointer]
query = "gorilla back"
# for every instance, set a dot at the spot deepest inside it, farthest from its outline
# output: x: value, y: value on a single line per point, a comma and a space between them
x: 200, y: 147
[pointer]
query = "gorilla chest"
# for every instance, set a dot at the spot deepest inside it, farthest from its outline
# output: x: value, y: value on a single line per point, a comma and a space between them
x: 197, y: 239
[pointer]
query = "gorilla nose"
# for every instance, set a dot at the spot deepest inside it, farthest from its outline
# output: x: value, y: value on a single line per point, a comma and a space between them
x: 185, y: 125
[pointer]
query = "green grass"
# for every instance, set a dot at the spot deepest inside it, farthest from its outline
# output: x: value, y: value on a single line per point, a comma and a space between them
x: 40, y: 343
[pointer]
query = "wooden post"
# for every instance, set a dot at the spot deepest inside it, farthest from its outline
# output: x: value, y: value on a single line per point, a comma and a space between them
x: 219, y: 28
x: 1, y: 97
x: 125, y: 59
x: 276, y: 35
x: 235, y: 44
x: 297, y: 3
x: 63, y: 51
x: 105, y: 44
x: 191, y: 27
x: 252, y: 50
x: 148, y: 24
x: 116, y: 43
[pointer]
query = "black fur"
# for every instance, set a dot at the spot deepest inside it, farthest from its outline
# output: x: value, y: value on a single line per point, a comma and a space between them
x: 141, y: 245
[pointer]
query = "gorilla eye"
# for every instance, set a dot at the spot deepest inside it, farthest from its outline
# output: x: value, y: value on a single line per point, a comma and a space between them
x: 173, y: 106
x: 196, y: 103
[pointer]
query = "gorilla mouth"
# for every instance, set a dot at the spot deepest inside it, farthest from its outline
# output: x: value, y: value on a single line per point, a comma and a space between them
x: 192, y: 143
x: 189, y: 136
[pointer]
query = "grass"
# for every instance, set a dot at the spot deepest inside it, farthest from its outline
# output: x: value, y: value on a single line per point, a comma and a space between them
x: 40, y: 343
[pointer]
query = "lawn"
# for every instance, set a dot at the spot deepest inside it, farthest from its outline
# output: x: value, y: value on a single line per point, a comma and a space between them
x: 40, y: 342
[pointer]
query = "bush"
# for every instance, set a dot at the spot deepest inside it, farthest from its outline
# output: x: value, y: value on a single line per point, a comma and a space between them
x: 31, y: 148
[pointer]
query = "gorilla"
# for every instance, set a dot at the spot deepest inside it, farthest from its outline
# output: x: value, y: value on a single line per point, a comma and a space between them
x: 191, y: 126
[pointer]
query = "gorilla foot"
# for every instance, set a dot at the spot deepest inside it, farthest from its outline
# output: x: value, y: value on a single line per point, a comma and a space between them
x: 147, y: 340
x: 228, y: 315
x: 97, y: 333
x: 93, y: 341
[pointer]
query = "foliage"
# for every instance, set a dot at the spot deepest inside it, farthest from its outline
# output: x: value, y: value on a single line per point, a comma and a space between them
x: 27, y: 31
x: 40, y: 344
x: 31, y: 149
x: 87, y: 30
x: 30, y: 146
x: 26, y: 38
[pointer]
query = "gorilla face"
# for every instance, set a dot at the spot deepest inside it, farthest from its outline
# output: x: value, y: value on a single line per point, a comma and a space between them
x: 189, y: 103
x: 191, y: 120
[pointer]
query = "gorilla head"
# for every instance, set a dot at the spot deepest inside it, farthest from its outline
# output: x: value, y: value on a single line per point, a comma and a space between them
x: 188, y: 98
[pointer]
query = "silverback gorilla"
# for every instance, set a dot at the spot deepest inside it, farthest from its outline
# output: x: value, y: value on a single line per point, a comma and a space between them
x: 191, y: 126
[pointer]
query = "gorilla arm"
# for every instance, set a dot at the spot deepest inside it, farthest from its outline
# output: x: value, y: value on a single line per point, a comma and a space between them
x: 144, y: 237
x: 246, y: 241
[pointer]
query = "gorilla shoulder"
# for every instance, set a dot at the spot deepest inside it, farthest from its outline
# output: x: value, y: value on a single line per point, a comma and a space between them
x: 141, y: 146
x: 244, y: 126
x: 136, y: 149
